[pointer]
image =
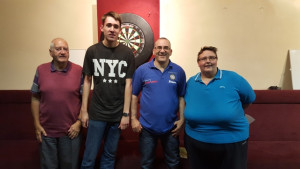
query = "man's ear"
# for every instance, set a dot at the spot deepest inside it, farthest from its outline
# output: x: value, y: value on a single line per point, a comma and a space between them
x: 101, y: 28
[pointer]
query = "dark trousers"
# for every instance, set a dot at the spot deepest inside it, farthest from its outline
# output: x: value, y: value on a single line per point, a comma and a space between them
x: 216, y: 156
x: 148, y: 143
x: 60, y: 153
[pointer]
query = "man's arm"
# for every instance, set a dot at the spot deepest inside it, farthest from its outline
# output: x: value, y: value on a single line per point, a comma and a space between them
x: 135, y: 124
x: 35, y: 110
x: 84, y: 116
x: 245, y: 106
x: 127, y: 98
x: 180, y: 122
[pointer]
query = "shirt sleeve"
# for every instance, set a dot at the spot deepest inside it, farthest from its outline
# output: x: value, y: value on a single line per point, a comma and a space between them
x: 88, y: 67
x: 246, y: 92
x: 137, y: 82
x: 35, y: 88
x: 81, y: 83
x: 182, y: 84
x: 131, y: 66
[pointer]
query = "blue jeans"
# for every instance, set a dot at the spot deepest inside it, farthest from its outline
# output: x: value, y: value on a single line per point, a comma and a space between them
x: 148, y: 143
x: 61, y: 152
x: 96, y: 132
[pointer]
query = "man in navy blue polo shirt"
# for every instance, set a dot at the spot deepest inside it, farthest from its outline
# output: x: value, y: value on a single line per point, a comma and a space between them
x: 162, y: 84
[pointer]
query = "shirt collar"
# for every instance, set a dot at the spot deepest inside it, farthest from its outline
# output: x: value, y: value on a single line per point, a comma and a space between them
x: 151, y: 64
x: 218, y: 75
x: 53, y: 69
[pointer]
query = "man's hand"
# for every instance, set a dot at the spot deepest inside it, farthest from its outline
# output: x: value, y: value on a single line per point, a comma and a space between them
x: 124, y: 123
x: 74, y: 130
x: 39, y: 131
x: 84, y: 118
x: 178, y: 124
x: 136, y: 125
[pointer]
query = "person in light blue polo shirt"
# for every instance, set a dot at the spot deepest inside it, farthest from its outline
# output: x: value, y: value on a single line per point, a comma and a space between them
x: 162, y: 86
x: 216, y: 128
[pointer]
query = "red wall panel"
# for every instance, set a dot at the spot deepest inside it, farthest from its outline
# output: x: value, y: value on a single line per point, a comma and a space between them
x: 147, y: 9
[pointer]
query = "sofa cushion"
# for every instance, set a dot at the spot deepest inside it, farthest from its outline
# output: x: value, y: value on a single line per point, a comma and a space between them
x: 277, y: 97
x: 15, y: 154
x: 274, y: 155
x: 15, y: 96
x: 275, y: 122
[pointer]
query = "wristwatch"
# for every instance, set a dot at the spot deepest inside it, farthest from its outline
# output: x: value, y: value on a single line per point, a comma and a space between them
x: 125, y: 114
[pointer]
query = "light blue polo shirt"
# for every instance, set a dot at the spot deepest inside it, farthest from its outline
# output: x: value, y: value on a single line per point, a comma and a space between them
x: 214, y: 112
x: 159, y: 98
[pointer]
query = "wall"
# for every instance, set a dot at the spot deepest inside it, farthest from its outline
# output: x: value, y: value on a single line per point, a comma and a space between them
x: 253, y: 36
x: 27, y: 27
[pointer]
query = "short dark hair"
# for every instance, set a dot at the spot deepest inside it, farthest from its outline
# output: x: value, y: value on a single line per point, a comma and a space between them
x: 113, y: 14
x: 210, y: 48
x: 163, y: 38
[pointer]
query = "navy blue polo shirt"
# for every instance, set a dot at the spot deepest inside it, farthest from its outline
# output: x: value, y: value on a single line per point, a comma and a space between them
x: 159, y: 99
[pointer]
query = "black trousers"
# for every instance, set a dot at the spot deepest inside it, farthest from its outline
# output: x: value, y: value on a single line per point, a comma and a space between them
x: 216, y: 156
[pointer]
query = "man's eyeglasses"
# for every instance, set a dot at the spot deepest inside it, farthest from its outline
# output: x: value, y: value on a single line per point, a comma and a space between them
x: 162, y: 47
x: 210, y: 58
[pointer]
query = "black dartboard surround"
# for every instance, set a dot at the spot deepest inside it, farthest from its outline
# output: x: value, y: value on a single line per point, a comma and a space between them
x: 137, y: 34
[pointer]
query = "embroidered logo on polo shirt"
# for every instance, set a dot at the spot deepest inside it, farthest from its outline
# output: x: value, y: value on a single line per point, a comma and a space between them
x: 172, y: 76
x: 170, y: 81
x: 222, y: 87
x: 149, y: 81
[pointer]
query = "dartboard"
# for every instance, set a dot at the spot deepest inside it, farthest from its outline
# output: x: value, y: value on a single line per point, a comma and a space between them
x: 133, y: 37
x: 137, y: 34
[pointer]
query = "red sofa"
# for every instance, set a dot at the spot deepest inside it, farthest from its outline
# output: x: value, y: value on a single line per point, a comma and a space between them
x: 19, y: 148
x: 274, y: 136
x: 274, y: 141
